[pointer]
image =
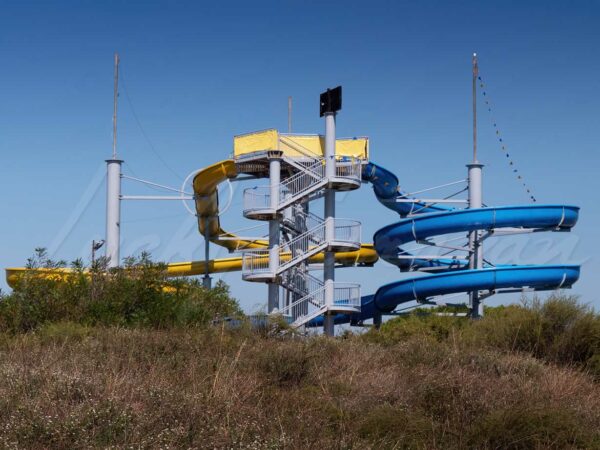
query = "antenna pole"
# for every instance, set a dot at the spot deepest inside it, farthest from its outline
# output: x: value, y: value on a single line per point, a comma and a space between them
x: 116, y: 98
x: 475, y: 75
x: 289, y: 114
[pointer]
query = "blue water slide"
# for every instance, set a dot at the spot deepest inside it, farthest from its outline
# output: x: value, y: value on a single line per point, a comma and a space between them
x: 424, y: 226
x: 389, y: 296
x: 427, y: 221
x: 387, y: 191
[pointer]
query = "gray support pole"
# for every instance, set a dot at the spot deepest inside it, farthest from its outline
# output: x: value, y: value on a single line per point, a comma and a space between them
x: 329, y: 263
x: 206, y: 279
x: 377, y: 319
x: 275, y: 178
x: 475, y: 247
x: 113, y: 211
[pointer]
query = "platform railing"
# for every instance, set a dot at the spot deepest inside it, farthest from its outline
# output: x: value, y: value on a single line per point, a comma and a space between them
x: 346, y: 295
x: 347, y: 231
x: 257, y: 198
x: 255, y: 262
x: 350, y: 169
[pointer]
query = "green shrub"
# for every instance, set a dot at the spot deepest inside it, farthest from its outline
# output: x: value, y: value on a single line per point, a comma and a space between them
x: 424, y: 324
x: 559, y: 329
x: 525, y: 427
x: 139, y: 293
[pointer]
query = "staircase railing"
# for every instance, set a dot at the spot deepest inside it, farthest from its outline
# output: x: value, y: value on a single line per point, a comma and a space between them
x: 307, y: 180
x: 346, y: 297
x: 303, y: 246
x: 310, y: 282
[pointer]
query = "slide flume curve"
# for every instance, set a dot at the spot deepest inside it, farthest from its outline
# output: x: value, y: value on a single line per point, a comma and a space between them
x: 430, y: 221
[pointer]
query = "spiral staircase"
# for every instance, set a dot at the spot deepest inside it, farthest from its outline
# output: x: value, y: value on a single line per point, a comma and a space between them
x: 302, y: 234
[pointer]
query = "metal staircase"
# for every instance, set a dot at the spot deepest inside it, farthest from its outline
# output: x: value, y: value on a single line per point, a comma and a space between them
x: 307, y: 234
x: 266, y: 202
x: 344, y: 235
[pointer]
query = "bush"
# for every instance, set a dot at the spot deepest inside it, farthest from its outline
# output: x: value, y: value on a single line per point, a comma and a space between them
x: 72, y: 386
x: 137, y: 294
x: 559, y: 329
x: 419, y: 323
x: 525, y: 427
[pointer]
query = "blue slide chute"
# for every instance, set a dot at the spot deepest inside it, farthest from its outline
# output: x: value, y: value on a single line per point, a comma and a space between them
x: 421, y: 222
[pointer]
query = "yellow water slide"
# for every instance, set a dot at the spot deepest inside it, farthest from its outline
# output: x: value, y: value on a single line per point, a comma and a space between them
x: 206, y: 183
x: 207, y: 208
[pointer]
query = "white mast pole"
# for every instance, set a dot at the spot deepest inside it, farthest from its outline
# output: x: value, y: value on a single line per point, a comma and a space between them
x: 113, y: 187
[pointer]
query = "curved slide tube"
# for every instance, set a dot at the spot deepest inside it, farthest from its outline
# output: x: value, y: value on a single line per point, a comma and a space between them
x: 434, y: 221
x: 206, y: 184
x: 389, y: 296
x: 418, y: 228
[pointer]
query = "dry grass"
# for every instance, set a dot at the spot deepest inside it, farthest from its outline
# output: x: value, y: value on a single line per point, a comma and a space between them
x: 68, y: 386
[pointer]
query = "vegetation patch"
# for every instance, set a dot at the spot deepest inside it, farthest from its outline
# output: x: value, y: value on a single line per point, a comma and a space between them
x: 131, y: 359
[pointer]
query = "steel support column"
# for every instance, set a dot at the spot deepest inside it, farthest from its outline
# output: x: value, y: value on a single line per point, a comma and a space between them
x: 475, y: 244
x: 274, y: 229
x: 329, y: 262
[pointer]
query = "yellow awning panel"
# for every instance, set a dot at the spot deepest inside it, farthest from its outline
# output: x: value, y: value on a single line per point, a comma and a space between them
x: 298, y: 145
x: 255, y: 142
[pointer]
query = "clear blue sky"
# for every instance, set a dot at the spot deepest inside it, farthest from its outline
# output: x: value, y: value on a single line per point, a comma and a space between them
x: 197, y: 73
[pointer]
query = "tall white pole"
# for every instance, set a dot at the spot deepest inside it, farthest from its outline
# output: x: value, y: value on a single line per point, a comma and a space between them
x: 113, y: 187
x: 113, y: 211
x: 475, y: 201
x: 329, y: 263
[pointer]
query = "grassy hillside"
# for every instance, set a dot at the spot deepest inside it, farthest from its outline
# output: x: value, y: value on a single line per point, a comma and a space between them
x: 124, y: 363
x: 71, y: 386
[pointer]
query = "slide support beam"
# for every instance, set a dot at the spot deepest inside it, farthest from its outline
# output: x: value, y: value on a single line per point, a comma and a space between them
x: 274, y: 229
x: 329, y: 262
x: 475, y: 241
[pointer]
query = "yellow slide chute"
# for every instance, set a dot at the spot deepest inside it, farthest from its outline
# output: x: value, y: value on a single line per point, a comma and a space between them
x: 206, y: 183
